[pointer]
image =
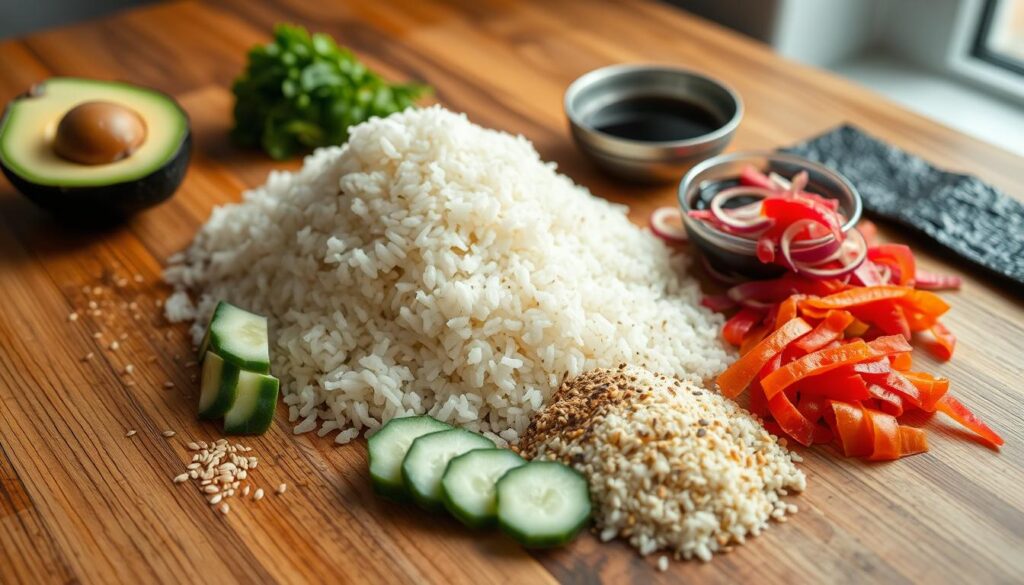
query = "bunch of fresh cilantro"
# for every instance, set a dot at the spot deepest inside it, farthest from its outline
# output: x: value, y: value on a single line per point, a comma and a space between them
x: 302, y: 91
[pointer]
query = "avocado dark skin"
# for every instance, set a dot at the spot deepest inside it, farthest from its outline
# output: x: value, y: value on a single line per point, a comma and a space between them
x: 113, y: 202
x: 106, y: 204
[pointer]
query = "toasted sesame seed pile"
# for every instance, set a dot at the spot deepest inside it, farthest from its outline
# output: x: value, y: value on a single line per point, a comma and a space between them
x: 219, y: 468
x: 671, y: 466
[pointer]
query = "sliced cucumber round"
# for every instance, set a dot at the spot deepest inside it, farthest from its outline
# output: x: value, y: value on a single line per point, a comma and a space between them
x: 240, y: 337
x: 218, y: 388
x: 425, y: 463
x: 255, y: 403
x: 389, y: 446
x: 468, y: 485
x: 543, y: 503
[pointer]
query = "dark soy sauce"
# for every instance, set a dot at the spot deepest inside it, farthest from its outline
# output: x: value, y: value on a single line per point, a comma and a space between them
x: 655, y: 119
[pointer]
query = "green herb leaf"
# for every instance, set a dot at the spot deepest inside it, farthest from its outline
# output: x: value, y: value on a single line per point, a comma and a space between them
x: 302, y: 91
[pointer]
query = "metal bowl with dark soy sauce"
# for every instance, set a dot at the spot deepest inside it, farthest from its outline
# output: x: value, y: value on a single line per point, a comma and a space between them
x: 736, y: 257
x: 650, y: 123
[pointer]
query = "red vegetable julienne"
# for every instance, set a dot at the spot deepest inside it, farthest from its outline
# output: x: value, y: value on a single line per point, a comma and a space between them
x: 828, y: 359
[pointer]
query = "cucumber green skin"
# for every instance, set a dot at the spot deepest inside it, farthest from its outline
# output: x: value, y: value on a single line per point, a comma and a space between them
x: 264, y: 415
x: 216, y: 344
x: 425, y: 501
x: 226, y: 393
x: 475, y: 521
x: 549, y: 541
x: 393, y: 490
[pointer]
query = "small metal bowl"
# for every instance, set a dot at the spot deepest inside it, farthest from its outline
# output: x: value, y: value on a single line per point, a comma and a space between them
x: 649, y: 161
x: 731, y: 255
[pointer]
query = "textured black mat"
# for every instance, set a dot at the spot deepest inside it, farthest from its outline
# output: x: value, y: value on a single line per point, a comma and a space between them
x: 961, y: 212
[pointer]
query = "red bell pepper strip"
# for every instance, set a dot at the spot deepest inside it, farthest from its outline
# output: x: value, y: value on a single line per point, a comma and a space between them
x: 859, y: 296
x: 838, y: 384
x: 857, y: 328
x: 961, y: 414
x: 890, y: 402
x: 945, y: 342
x: 811, y: 407
x: 831, y: 328
x: 877, y: 366
x: 896, y: 382
x: 789, y: 418
x: 823, y: 435
x: 717, y: 303
x: 853, y: 429
x: 752, y: 177
x: 899, y: 258
x: 787, y: 210
x: 787, y: 309
x: 739, y: 375
x: 889, y: 344
x: 758, y: 403
x: 932, y: 388
x: 737, y: 327
x: 811, y: 364
x: 869, y: 230
x: 753, y: 338
x: 931, y: 281
x: 901, y: 361
x: 885, y: 431
x: 765, y: 249
x: 887, y: 316
x: 912, y: 441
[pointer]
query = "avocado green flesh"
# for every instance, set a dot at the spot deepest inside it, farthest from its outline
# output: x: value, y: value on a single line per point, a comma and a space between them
x: 30, y: 123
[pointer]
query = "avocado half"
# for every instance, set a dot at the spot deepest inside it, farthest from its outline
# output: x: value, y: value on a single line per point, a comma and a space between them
x: 147, y: 176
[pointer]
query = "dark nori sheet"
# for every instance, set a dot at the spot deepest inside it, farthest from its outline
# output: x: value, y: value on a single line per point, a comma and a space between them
x: 960, y: 212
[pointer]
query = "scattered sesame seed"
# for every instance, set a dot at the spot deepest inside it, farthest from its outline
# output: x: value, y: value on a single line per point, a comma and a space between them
x: 124, y: 336
x: 72, y: 316
x: 225, y: 508
x: 138, y: 278
x: 97, y: 290
x: 93, y: 306
x: 193, y: 446
x: 97, y: 335
x: 211, y: 489
x: 169, y: 433
x: 181, y: 478
x: 129, y: 369
x: 168, y: 384
x: 88, y: 356
x: 114, y: 345
x: 258, y: 495
x: 130, y: 433
x: 282, y: 488
x: 245, y: 491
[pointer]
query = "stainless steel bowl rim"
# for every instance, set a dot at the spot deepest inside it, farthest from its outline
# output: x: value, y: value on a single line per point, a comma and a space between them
x: 744, y: 245
x: 592, y: 77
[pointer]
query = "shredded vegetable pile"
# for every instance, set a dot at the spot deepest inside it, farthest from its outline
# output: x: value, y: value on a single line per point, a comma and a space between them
x: 825, y: 352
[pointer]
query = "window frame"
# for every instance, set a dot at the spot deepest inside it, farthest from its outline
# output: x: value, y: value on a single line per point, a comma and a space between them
x: 980, y: 48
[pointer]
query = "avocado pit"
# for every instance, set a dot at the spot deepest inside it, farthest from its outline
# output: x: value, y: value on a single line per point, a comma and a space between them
x: 99, y: 133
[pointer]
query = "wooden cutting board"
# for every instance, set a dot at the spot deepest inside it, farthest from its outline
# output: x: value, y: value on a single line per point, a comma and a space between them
x: 79, y: 501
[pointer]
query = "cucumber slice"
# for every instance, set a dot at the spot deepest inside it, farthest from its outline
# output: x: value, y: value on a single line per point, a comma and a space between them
x: 543, y: 503
x: 427, y: 459
x: 219, y: 387
x: 388, y: 448
x: 468, y: 485
x: 254, y: 406
x: 240, y: 337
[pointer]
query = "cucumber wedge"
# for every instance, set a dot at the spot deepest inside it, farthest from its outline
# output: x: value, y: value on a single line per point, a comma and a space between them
x: 219, y: 387
x: 389, y: 446
x: 240, y: 337
x: 425, y: 463
x: 469, y: 485
x: 254, y: 406
x: 543, y: 503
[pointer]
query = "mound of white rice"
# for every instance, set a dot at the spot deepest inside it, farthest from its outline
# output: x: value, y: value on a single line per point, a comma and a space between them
x: 433, y: 266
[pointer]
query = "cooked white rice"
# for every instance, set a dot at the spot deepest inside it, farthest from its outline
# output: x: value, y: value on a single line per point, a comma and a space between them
x: 433, y: 266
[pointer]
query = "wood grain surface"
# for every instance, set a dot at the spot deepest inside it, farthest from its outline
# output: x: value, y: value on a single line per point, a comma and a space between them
x: 80, y: 502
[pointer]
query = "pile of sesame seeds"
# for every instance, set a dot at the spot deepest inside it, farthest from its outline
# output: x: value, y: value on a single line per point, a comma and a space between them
x: 671, y: 466
x: 221, y: 471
